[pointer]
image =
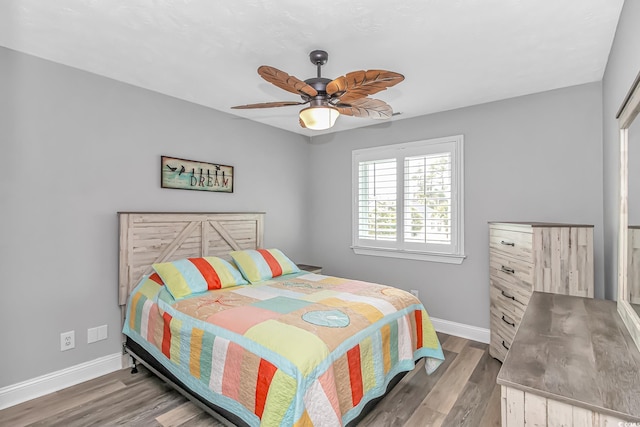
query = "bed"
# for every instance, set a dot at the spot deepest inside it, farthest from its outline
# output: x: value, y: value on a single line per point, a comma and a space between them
x: 295, y: 349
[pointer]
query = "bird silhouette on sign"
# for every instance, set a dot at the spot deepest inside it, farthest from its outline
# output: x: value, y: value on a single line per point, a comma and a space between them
x: 172, y: 169
x: 181, y: 170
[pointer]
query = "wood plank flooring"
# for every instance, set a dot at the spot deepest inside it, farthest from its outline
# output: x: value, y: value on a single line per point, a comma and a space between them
x: 462, y: 392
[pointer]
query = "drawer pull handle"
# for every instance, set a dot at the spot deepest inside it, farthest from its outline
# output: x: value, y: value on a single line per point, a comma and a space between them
x: 504, y: 294
x: 504, y: 345
x: 502, y: 242
x: 507, y: 270
x: 507, y: 322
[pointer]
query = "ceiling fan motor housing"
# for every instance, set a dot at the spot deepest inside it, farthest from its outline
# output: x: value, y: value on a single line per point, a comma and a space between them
x: 319, y: 84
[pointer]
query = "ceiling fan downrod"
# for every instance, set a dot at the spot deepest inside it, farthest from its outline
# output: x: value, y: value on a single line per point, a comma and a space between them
x: 318, y: 58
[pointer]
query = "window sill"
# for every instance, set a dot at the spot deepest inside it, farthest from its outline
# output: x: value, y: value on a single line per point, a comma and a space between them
x: 419, y: 256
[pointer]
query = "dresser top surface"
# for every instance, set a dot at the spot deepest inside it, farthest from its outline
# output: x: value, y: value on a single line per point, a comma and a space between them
x: 578, y: 351
x: 541, y: 224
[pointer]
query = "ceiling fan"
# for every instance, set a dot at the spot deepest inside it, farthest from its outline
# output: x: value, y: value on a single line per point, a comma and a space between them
x: 327, y: 99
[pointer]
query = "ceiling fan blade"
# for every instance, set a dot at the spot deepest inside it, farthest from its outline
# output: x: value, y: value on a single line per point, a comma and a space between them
x: 366, y: 107
x: 285, y: 81
x: 267, y: 105
x: 302, y: 123
x: 359, y: 84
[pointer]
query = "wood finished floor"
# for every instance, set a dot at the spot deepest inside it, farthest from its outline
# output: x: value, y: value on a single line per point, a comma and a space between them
x: 462, y: 392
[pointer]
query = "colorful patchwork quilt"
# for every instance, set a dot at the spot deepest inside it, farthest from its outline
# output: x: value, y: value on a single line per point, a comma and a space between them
x: 298, y: 350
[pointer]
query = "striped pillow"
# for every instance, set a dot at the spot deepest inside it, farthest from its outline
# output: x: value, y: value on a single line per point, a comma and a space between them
x: 263, y: 264
x: 184, y: 277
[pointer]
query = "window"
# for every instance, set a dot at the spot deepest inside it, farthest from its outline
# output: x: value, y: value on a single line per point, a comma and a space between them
x: 408, y: 200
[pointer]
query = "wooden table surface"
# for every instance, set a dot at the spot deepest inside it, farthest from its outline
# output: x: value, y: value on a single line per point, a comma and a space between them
x: 575, y: 350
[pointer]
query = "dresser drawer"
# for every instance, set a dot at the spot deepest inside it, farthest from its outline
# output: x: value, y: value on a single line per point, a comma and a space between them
x: 512, y: 273
x: 513, y: 304
x: 510, y: 240
x: 504, y: 325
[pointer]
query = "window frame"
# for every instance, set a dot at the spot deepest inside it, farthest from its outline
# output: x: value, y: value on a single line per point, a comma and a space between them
x: 454, y: 253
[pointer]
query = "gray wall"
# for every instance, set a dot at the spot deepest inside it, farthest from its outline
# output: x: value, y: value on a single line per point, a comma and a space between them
x: 622, y: 68
x: 76, y: 148
x: 532, y: 158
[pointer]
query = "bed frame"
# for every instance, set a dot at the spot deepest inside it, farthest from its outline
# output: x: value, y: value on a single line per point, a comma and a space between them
x: 147, y: 238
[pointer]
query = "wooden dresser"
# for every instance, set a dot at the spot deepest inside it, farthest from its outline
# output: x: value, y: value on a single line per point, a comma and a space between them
x: 572, y: 363
x: 527, y: 257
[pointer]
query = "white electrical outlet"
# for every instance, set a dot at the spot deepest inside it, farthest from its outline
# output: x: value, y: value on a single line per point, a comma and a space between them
x: 415, y: 293
x: 67, y: 340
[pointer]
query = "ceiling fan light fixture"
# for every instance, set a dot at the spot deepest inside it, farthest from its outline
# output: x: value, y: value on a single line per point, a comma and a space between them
x: 319, y: 117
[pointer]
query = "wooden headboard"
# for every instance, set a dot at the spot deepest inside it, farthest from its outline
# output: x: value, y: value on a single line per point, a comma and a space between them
x: 147, y: 238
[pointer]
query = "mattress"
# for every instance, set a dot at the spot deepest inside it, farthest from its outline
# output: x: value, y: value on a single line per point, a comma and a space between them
x: 298, y: 350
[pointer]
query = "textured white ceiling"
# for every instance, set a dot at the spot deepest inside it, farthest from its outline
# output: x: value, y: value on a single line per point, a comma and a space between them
x: 453, y: 53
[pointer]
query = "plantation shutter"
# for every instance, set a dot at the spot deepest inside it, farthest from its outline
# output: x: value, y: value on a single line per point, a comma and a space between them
x: 427, y: 199
x: 377, y: 201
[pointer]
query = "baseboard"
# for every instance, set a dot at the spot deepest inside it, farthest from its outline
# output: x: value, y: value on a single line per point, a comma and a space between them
x: 461, y: 330
x: 49, y: 383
